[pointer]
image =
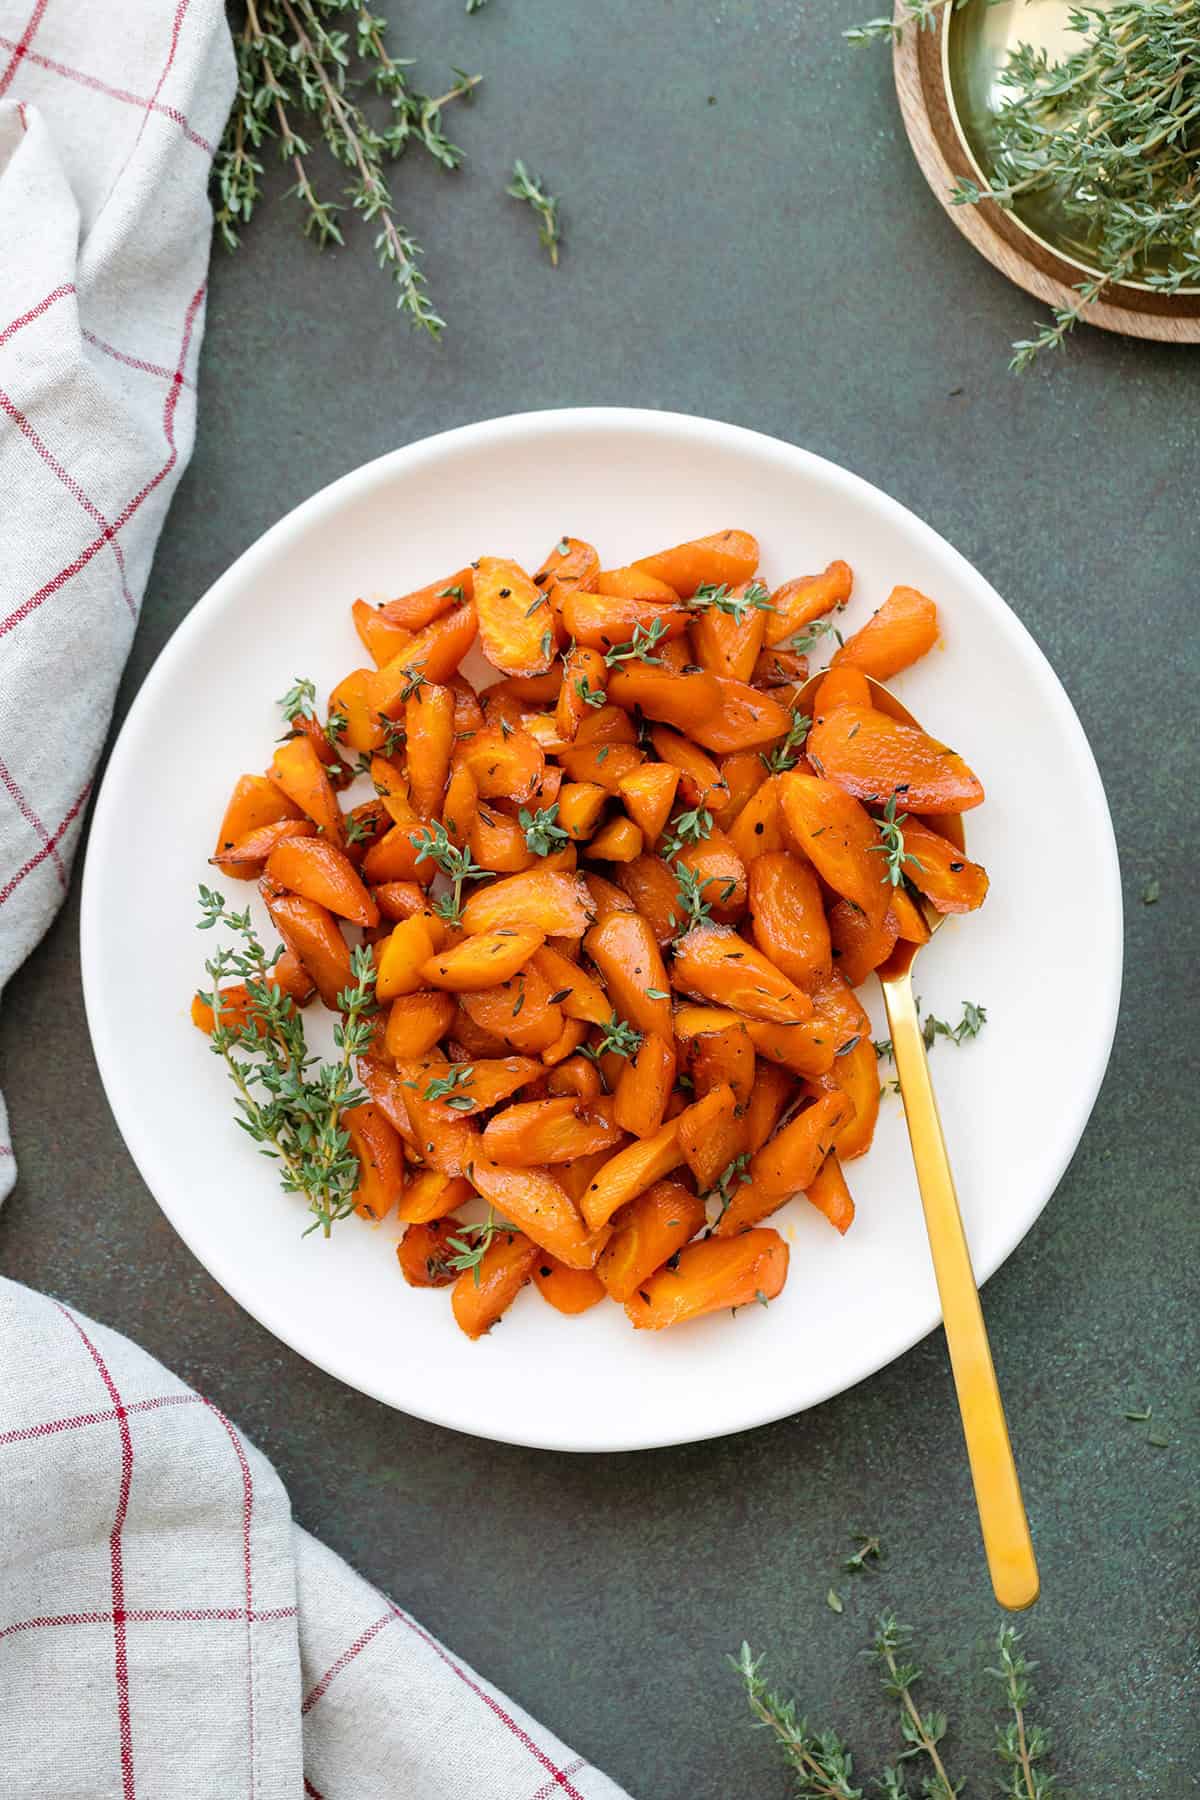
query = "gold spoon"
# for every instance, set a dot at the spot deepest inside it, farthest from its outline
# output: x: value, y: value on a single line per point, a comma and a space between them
x: 1002, y: 1517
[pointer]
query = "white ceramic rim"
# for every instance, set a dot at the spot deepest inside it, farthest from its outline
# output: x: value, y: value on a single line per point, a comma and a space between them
x: 106, y: 838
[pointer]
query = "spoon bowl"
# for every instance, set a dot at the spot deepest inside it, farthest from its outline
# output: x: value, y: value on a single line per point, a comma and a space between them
x: 1005, y: 1527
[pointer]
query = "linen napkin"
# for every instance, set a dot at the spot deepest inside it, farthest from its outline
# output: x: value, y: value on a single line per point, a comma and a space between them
x: 166, y: 1630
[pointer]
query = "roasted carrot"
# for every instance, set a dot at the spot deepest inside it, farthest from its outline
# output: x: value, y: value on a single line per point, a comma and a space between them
x: 484, y: 1293
x: 646, y: 1234
x: 425, y: 1254
x: 875, y: 757
x: 568, y: 1291
x: 710, y: 1276
x: 901, y: 631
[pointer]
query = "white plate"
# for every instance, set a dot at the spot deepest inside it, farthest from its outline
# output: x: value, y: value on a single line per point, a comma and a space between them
x: 1044, y: 955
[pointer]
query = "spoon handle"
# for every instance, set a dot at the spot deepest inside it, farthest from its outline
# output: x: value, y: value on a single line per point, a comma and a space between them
x: 1006, y: 1538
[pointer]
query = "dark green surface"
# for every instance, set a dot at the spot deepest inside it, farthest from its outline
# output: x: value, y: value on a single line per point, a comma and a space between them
x: 774, y: 259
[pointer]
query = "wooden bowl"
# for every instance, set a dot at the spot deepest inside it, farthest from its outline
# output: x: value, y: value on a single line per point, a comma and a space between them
x: 1041, y: 265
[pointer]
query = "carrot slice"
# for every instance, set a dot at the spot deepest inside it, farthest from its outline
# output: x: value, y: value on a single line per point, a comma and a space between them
x: 728, y: 644
x: 516, y: 622
x: 797, y: 603
x: 539, y: 1205
x: 382, y: 639
x: 519, y: 1012
x: 568, y: 1291
x: 551, y: 1131
x: 255, y: 801
x: 708, y: 1277
x: 855, y: 1073
x: 416, y: 1022
x: 623, y: 949
x: 947, y: 878
x: 646, y: 1234
x: 858, y: 945
x: 684, y: 701
x: 484, y: 1294
x: 247, y: 858
x: 420, y: 608
x: 773, y: 1089
x: 634, y: 583
x: 482, y: 961
x: 376, y: 1143
x: 649, y: 793
x: 620, y: 841
x: 837, y: 835
x: 317, y: 869
x: 901, y: 631
x: 711, y: 1135
x: 435, y: 654
x: 787, y: 1162
x: 603, y: 765
x: 630, y: 1172
x: 723, y: 1058
x: 875, y: 757
x: 829, y: 1193
x: 425, y: 1254
x: 311, y: 934
x: 578, y: 993
x: 429, y: 740
x: 844, y: 686
x: 576, y: 1075
x: 745, y: 718
x: 714, y: 963
x: 580, y: 804
x: 299, y: 772
x: 430, y: 1195
x: 806, y: 1049
x: 723, y: 559
x: 572, y: 564
x: 550, y: 901
x: 758, y: 828
x: 645, y: 1087
x: 788, y: 916
x: 719, y: 872
x: 583, y: 685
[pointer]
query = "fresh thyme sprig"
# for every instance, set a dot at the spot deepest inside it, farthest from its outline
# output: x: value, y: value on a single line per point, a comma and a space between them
x: 710, y: 595
x: 588, y: 694
x: 543, y: 834
x: 868, y: 1555
x: 787, y: 754
x: 471, y: 1255
x: 300, y: 701
x: 973, y: 1020
x: 732, y: 1176
x: 295, y: 73
x: 891, y: 846
x: 690, y: 827
x: 809, y: 636
x: 533, y: 190
x: 821, y: 1762
x: 445, y: 1087
x: 617, y: 1038
x: 292, y: 1113
x: 691, y: 908
x: 458, y: 865
x: 640, y: 646
x: 1020, y: 1746
x: 922, y: 1732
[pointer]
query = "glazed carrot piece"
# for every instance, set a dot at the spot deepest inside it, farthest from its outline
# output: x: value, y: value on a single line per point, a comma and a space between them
x: 299, y: 772
x: 568, y: 1291
x: 910, y: 920
x: 254, y: 802
x: 624, y: 951
x: 788, y: 1161
x: 382, y: 638
x: 549, y: 901
x: 541, y: 1207
x: 743, y: 772
x: 873, y: 756
x: 684, y: 701
x: 646, y: 1234
x: 649, y: 793
x: 710, y: 1276
x: 416, y: 1022
x: 842, y: 686
x: 605, y: 725
x: 514, y: 618
x: 565, y: 1044
x: 434, y: 653
x: 576, y: 1075
x: 720, y: 872
x: 726, y: 644
x: 551, y: 1131
x: 360, y: 728
x: 481, y: 961
x: 463, y: 1090
x: 897, y: 635
x: 529, y: 691
x: 634, y: 583
x: 429, y: 741
x: 827, y: 1191
x: 620, y: 841
x: 630, y: 1172
x: 402, y: 959
x: 838, y: 1007
x: 858, y: 945
x: 758, y: 828
x: 246, y: 859
x: 645, y: 1087
x: 806, y: 1049
x: 318, y: 870
x: 745, y: 717
x: 578, y: 993
x: 376, y: 1143
x: 580, y: 804
x: 420, y: 608
x: 769, y: 1098
x: 837, y: 835
x: 572, y: 565
x: 700, y: 780
x: 448, y: 1141
x: 498, y: 843
x: 714, y: 963
x: 601, y: 765
x: 798, y: 603
x: 584, y: 681
x: 506, y: 764
x: 788, y: 916
x: 394, y: 857
x: 236, y: 1008
x: 947, y: 878
x: 425, y: 1254
x: 518, y: 1011
x: 723, y: 1058
x: 307, y: 725
x: 855, y: 1073
x: 311, y: 934
x: 606, y: 621
x: 484, y: 1294
x: 430, y: 1195
x: 710, y: 1135
x: 724, y: 559
x: 605, y: 897
x: 776, y: 668
x: 460, y: 804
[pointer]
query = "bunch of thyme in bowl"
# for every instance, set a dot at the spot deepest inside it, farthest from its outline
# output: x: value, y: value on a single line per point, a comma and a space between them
x: 1110, y: 133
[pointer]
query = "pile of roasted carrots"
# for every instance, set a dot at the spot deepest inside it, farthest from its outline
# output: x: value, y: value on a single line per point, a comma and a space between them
x: 619, y: 903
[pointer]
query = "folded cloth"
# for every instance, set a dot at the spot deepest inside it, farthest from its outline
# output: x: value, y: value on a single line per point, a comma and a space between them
x: 167, y: 1632
x: 165, y: 1628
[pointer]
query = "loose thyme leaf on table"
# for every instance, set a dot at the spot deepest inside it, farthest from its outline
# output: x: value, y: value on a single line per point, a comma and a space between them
x: 288, y: 1103
x: 297, y: 73
x: 532, y: 189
